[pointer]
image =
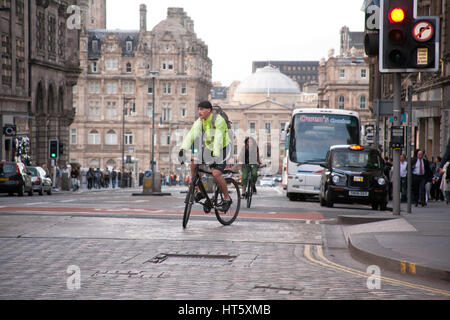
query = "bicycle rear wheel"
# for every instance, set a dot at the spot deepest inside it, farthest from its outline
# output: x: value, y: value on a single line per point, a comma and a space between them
x: 227, y: 218
x: 189, y: 201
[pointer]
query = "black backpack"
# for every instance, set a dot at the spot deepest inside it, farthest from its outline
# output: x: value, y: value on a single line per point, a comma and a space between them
x: 217, y: 110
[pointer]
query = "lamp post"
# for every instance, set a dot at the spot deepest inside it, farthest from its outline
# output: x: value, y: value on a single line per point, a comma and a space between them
x: 152, y: 164
x: 125, y: 101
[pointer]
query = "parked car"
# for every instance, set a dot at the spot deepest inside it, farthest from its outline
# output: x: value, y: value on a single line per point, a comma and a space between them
x: 41, y: 182
x: 353, y: 174
x: 15, y: 178
x: 267, y: 182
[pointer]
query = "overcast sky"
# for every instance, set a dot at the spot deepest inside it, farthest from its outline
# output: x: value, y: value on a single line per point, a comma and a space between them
x: 238, y: 32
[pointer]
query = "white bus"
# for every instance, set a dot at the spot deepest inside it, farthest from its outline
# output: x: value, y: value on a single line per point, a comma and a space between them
x: 310, y: 134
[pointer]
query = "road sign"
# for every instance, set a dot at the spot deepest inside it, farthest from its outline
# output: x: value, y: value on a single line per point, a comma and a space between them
x: 423, y: 31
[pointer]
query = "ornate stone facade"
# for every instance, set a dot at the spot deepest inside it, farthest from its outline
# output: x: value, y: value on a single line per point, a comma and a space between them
x: 39, y: 66
x: 114, y: 95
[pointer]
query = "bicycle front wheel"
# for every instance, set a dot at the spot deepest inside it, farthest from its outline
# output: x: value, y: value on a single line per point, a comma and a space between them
x: 227, y: 218
x: 189, y: 201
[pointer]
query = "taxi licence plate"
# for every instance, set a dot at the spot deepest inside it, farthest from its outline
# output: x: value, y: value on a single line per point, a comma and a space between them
x: 4, y: 179
x: 358, y: 179
x: 358, y: 193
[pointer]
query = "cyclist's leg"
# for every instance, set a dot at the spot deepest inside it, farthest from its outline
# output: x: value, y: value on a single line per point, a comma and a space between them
x: 220, y: 180
x: 254, y: 175
x: 244, y: 178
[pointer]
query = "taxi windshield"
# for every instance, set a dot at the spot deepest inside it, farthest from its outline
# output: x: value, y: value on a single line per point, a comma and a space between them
x: 364, y: 159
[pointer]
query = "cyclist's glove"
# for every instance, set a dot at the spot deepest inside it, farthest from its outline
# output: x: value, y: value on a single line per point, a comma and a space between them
x: 182, y: 156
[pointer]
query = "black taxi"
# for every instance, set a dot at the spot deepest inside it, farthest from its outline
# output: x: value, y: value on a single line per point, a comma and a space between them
x: 353, y: 174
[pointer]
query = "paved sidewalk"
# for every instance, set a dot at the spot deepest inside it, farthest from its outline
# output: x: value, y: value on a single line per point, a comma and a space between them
x: 417, y: 243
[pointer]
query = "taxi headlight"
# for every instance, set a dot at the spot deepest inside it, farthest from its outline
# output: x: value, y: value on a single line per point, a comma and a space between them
x: 339, y: 180
x: 381, y: 181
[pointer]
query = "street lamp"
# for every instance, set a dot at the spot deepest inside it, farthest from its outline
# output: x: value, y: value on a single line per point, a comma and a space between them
x: 125, y: 101
x: 153, y: 73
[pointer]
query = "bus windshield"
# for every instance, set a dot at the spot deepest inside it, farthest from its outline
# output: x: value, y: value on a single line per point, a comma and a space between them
x: 312, y: 135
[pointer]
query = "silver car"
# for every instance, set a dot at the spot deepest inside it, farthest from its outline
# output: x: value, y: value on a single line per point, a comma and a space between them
x: 41, y: 182
x: 267, y: 182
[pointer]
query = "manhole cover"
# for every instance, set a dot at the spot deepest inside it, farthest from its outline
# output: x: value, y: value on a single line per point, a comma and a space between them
x: 196, y: 259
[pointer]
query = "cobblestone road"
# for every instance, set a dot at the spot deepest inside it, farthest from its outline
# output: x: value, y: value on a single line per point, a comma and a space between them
x: 122, y: 258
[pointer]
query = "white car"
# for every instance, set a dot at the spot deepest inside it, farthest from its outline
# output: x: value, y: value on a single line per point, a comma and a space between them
x: 267, y: 182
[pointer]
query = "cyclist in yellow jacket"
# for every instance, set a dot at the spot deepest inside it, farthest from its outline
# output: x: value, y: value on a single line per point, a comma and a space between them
x: 214, y: 150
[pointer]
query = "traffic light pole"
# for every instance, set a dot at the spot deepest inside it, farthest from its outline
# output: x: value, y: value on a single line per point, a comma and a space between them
x: 396, y: 151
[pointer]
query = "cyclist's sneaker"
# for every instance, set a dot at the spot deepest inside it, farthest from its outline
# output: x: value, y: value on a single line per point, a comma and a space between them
x: 226, y: 204
x: 199, y: 196
x: 254, y: 189
x: 244, y: 195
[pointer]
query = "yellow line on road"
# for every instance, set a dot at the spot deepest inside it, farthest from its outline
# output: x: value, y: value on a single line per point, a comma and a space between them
x: 329, y: 264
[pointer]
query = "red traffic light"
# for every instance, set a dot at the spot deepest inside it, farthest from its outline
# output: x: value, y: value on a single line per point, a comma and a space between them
x: 396, y: 15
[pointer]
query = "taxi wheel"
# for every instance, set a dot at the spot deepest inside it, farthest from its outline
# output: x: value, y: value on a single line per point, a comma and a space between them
x: 328, y: 201
x: 383, y: 206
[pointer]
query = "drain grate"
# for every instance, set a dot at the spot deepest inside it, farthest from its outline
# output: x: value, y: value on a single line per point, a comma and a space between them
x: 280, y: 290
x: 192, y: 259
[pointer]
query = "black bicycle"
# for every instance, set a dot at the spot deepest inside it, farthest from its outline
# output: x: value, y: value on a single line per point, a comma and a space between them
x: 250, y: 187
x: 216, y: 201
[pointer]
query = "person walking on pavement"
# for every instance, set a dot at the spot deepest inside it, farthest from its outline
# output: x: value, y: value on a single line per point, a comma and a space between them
x: 403, y: 177
x: 445, y: 157
x: 420, y: 173
x: 445, y: 184
x: 90, y: 178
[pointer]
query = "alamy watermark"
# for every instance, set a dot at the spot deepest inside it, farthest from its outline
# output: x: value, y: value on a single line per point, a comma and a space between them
x: 374, y: 281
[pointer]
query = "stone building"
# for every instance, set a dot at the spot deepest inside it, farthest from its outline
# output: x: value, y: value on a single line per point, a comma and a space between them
x: 430, y: 124
x: 259, y: 107
x: 344, y: 79
x: 115, y: 93
x: 39, y: 66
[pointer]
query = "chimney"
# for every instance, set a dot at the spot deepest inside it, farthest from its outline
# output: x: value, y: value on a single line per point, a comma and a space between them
x: 143, y: 18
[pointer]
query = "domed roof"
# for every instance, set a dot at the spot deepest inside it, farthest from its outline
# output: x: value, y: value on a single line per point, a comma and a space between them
x: 268, y: 79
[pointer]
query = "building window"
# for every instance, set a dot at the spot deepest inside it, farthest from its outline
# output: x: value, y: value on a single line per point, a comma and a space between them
x: 129, y: 138
x: 167, y: 88
x: 252, y: 127
x: 267, y: 127
x: 341, y: 73
x: 111, y: 137
x: 183, y: 88
x: 129, y: 46
x: 341, y: 102
x: 183, y: 110
x: 165, y: 138
x: 94, y: 137
x: 129, y: 67
x: 94, y: 68
x: 149, y: 109
x: 167, y: 65
x: 111, y: 87
x: 150, y: 88
x: 128, y: 87
x: 111, y: 109
x: 73, y: 136
x: 166, y: 112
x: 362, y: 102
x: 111, y: 64
x: 268, y: 150
x: 94, y: 108
x: 94, y: 87
x: 363, y: 73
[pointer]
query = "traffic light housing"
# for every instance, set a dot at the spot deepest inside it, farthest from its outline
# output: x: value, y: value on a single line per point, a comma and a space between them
x: 407, y: 43
x: 53, y: 149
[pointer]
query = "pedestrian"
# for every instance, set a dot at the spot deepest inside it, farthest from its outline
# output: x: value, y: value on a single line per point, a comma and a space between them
x: 403, y: 177
x: 445, y: 184
x: 90, y: 178
x: 446, y: 156
x: 436, y: 192
x: 74, y: 174
x: 420, y: 173
x: 113, y: 178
